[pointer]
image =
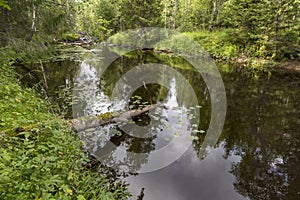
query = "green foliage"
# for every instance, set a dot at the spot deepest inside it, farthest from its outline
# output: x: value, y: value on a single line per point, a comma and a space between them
x: 97, y: 18
x: 266, y: 28
x: 262, y: 28
x: 46, y: 162
x: 32, y: 20
x: 141, y: 13
x: 180, y: 43
x: 30, y: 27
x: 137, y: 37
x: 259, y: 28
x: 217, y: 43
x: 38, y: 165
x: 70, y: 37
x: 30, y: 51
x: 4, y: 4
x: 17, y: 105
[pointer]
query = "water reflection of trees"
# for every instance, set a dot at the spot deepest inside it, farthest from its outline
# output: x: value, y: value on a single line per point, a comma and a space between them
x: 262, y: 123
x: 263, y: 128
x: 56, y: 79
x: 147, y: 93
x: 150, y: 93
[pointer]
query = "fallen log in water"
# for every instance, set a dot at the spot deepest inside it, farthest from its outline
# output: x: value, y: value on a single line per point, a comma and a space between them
x: 115, y: 140
x: 87, y: 122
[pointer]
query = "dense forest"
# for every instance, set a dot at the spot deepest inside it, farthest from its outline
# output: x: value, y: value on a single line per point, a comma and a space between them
x: 226, y: 28
x: 41, y: 157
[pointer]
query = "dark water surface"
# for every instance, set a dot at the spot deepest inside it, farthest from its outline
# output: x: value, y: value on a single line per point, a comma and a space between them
x: 256, y: 157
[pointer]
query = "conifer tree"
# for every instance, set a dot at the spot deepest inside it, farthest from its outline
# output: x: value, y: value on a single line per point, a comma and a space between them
x: 141, y: 13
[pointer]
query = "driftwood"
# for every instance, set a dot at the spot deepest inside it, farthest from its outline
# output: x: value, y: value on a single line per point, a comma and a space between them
x: 91, y: 122
x: 87, y: 122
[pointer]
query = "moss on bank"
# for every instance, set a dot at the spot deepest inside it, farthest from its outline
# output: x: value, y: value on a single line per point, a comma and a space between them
x: 47, y: 162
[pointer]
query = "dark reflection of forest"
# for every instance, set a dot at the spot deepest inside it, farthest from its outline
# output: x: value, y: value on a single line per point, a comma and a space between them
x: 262, y: 123
x: 54, y: 80
x: 262, y: 126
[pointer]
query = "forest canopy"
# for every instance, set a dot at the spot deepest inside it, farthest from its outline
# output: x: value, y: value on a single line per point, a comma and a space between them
x: 259, y: 28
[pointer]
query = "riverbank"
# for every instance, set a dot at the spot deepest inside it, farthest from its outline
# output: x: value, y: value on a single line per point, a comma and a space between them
x: 47, y: 162
x: 223, y: 45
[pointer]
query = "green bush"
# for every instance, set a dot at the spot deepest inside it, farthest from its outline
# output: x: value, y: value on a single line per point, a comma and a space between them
x: 180, y: 43
x: 48, y: 161
x: 70, y: 37
x: 218, y: 43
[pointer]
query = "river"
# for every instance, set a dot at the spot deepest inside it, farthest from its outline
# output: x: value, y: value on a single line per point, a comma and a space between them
x: 257, y: 155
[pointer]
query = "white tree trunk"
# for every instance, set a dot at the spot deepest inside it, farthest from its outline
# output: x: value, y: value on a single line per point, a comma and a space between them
x: 33, y: 23
x: 213, y: 14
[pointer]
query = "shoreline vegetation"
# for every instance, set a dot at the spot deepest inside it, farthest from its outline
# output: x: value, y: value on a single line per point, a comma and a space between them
x: 48, y: 162
x: 235, y: 57
x: 217, y: 43
x: 46, y: 167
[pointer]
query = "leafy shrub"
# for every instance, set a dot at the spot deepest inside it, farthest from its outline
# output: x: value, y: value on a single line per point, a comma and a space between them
x: 18, y: 106
x: 217, y: 43
x: 70, y: 37
x: 180, y: 43
x: 47, y: 164
x: 48, y: 161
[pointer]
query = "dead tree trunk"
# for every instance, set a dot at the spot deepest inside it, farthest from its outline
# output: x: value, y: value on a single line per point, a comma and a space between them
x: 87, y: 122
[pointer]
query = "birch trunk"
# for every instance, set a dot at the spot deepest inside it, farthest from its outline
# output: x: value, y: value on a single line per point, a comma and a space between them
x: 33, y: 24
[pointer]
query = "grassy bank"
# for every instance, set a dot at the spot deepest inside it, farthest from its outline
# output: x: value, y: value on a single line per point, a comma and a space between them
x: 48, y: 162
x: 227, y: 45
x: 218, y: 43
x: 222, y: 45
